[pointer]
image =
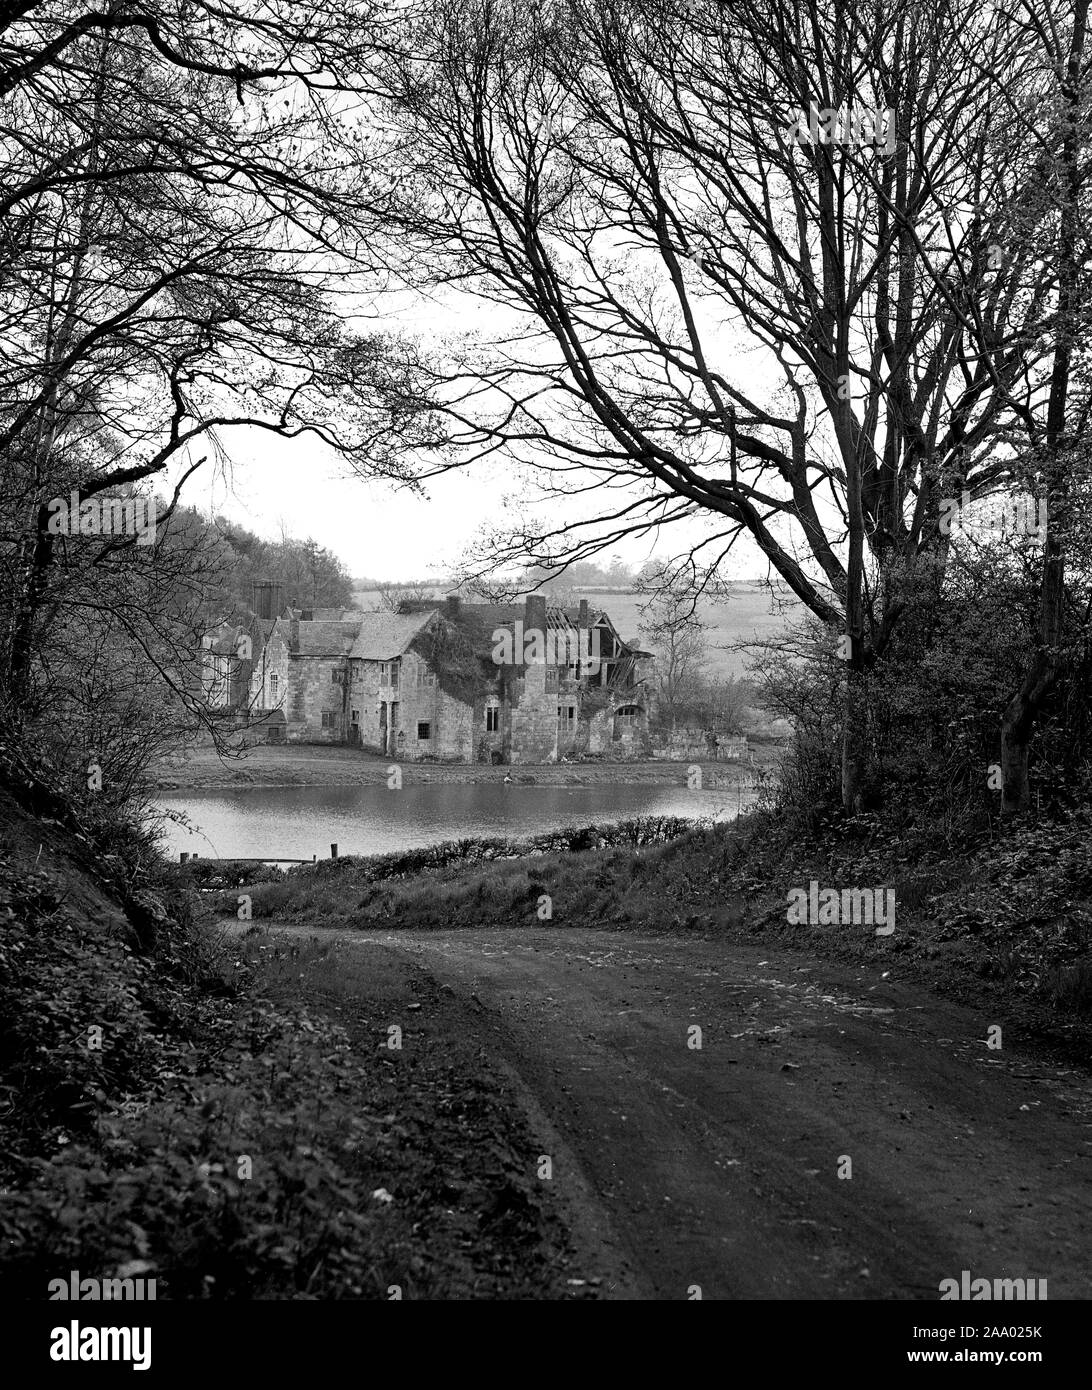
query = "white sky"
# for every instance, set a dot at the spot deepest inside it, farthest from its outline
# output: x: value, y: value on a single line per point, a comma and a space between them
x: 374, y: 527
x: 301, y: 488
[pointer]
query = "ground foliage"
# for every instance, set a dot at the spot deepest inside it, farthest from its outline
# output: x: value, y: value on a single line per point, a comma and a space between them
x: 127, y: 1158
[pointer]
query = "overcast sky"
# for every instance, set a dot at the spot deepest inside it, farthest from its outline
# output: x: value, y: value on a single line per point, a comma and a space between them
x: 375, y: 528
x: 378, y: 530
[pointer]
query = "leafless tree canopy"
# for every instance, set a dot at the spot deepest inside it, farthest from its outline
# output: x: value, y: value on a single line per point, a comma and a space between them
x: 706, y: 312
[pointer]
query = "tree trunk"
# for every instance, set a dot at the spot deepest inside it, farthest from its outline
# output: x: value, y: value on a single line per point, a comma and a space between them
x: 1022, y: 711
x: 853, y: 709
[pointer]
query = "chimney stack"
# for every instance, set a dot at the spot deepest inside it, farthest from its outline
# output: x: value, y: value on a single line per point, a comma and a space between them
x: 267, y: 599
x: 452, y: 606
x: 582, y: 621
x: 534, y: 614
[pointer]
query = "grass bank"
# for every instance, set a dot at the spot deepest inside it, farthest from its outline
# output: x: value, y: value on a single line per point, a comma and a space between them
x: 1006, y: 920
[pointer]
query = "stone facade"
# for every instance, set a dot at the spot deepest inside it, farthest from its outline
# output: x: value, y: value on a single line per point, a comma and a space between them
x: 460, y: 683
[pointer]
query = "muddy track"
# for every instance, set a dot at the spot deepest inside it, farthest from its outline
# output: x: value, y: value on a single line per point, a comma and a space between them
x: 718, y: 1166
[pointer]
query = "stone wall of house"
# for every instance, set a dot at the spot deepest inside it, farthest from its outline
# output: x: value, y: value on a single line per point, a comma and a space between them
x: 314, y: 692
x: 573, y: 734
x: 614, y: 738
x: 271, y: 661
x: 452, y: 723
x: 533, y: 720
x: 216, y: 679
x: 435, y: 723
x: 492, y: 746
x: 365, y: 693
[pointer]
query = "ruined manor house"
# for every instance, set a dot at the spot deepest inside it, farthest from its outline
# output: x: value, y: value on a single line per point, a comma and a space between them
x: 451, y: 680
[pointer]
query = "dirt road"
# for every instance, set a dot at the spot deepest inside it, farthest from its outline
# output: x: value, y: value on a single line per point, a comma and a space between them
x: 835, y: 1135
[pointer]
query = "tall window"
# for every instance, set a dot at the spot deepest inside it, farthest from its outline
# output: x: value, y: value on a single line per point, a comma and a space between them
x: 274, y: 683
x: 424, y: 732
x: 492, y: 718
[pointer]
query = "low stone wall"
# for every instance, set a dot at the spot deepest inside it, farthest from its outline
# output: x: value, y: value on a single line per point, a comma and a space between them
x: 695, y: 745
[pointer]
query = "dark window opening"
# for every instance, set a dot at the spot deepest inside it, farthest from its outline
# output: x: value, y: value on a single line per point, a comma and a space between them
x: 424, y: 732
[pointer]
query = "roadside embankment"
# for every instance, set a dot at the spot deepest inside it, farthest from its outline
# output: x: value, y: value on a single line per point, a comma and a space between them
x: 221, y: 1118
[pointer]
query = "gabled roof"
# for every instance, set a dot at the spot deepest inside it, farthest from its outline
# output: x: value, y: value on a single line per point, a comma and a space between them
x: 224, y: 639
x: 220, y: 641
x: 383, y: 636
x: 327, y: 638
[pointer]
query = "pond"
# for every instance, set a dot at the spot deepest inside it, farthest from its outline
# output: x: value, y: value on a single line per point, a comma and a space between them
x: 301, y: 822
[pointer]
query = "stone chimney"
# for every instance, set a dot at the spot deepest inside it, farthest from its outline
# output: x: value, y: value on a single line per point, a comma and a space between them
x: 582, y: 620
x: 534, y: 614
x: 453, y: 607
x: 267, y: 599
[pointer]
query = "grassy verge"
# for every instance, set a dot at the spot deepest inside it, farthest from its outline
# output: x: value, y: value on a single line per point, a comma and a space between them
x: 1005, y: 920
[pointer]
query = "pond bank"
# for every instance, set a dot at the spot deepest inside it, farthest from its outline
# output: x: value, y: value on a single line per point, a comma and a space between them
x: 304, y: 765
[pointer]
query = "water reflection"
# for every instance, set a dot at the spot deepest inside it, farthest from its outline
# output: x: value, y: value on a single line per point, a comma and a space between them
x: 303, y: 821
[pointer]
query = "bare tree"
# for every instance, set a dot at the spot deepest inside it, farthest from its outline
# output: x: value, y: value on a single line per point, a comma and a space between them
x: 1055, y: 417
x: 631, y: 182
x: 180, y: 231
x: 672, y: 628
